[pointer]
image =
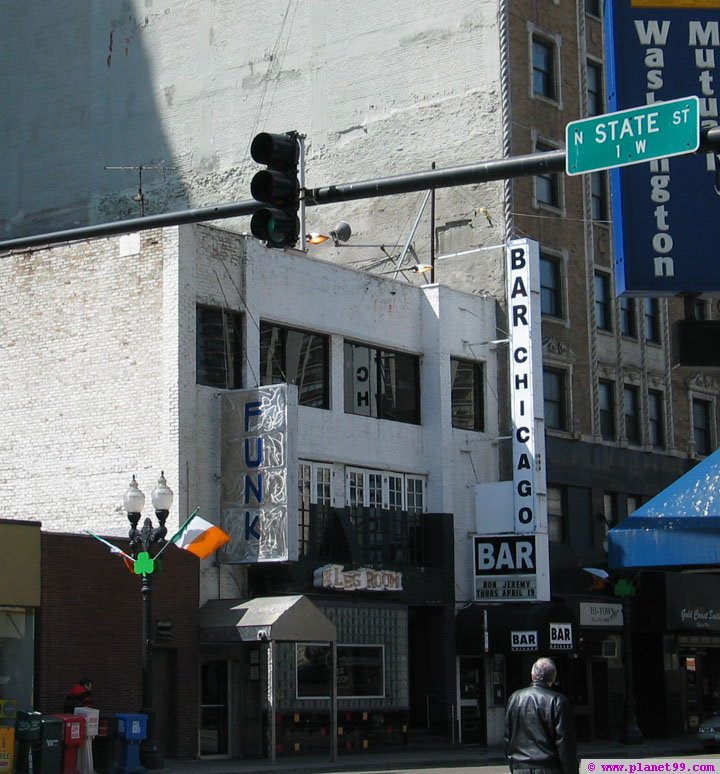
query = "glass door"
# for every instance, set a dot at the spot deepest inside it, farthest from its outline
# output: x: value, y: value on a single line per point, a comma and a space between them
x: 472, y: 700
x: 214, y: 709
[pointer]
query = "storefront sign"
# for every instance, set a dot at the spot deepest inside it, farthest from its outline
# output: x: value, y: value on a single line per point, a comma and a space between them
x: 524, y: 640
x: 333, y: 576
x: 259, y: 468
x: 505, y: 568
x: 699, y: 618
x: 692, y: 604
x: 655, y: 52
x: 605, y: 614
x: 523, y: 296
x: 561, y: 636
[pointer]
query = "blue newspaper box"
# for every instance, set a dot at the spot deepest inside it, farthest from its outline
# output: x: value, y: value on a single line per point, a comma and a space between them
x: 131, y: 730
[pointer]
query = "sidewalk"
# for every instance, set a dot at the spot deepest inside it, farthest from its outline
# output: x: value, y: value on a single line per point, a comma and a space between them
x: 409, y: 758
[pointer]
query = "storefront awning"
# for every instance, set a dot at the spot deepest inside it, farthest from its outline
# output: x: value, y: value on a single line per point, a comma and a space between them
x: 293, y: 618
x: 680, y: 526
x: 506, y: 622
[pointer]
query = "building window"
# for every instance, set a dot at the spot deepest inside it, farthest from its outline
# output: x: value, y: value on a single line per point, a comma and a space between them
x: 651, y: 310
x: 603, y: 303
x: 218, y: 347
x: 556, y: 513
x: 656, y: 424
x: 414, y: 494
x: 360, y: 671
x: 595, y: 102
x: 544, y: 76
x: 467, y: 394
x: 610, y: 514
x: 386, y: 512
x: 391, y: 491
x: 547, y: 184
x: 555, y: 399
x: 606, y: 397
x: 313, y: 490
x: 695, y: 308
x: 631, y: 402
x: 628, y: 320
x: 701, y: 416
x: 296, y: 357
x: 551, y: 300
x: 633, y: 503
x: 380, y: 383
x: 599, y: 196
x: 593, y: 7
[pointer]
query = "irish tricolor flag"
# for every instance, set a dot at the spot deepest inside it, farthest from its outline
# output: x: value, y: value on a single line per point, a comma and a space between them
x: 199, y: 536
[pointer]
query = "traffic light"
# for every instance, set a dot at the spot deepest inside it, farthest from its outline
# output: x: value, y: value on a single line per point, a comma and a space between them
x: 278, y: 187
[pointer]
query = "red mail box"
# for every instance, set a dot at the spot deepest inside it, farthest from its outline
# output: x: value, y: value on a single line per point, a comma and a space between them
x: 74, y: 732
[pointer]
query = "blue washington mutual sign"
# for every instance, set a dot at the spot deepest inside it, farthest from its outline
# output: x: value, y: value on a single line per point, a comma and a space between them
x: 666, y: 212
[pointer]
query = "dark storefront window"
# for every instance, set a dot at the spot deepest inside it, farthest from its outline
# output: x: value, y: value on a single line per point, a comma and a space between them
x: 603, y: 302
x: 628, y: 324
x: 296, y: 357
x: 360, y: 671
x: 17, y: 650
x: 656, y: 419
x: 651, y: 314
x: 551, y: 298
x: 214, y: 708
x: 606, y: 394
x: 555, y: 399
x: 218, y: 347
x: 631, y: 400
x: 383, y: 384
x: 467, y: 394
x: 701, y: 416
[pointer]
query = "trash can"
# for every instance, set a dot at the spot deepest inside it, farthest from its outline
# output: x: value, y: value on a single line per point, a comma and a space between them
x: 50, y: 751
x: 131, y: 730
x: 73, y: 737
x: 27, y: 734
x: 105, y: 744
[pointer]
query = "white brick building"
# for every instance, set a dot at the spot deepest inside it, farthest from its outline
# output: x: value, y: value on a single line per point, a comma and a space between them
x: 108, y: 371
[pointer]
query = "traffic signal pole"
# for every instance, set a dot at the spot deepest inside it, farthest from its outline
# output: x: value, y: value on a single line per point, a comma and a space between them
x: 468, y: 174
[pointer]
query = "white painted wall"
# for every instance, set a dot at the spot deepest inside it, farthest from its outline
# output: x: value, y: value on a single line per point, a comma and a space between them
x: 377, y: 88
x: 97, y: 341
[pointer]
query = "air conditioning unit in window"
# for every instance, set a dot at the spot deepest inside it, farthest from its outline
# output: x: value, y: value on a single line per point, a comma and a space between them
x: 609, y: 648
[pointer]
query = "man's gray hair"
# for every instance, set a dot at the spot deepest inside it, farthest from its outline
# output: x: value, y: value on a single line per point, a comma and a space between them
x: 543, y: 671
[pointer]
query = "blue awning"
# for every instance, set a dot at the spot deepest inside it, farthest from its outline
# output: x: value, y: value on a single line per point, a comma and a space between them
x: 680, y: 526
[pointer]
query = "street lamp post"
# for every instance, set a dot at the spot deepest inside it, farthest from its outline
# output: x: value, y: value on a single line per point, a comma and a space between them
x: 631, y: 731
x: 148, y: 540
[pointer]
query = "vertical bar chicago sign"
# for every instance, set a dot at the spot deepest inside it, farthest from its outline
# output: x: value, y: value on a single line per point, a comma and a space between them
x: 525, y: 364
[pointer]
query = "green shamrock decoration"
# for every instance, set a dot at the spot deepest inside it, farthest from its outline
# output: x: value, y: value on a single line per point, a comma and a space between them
x: 144, y: 565
x: 624, y: 588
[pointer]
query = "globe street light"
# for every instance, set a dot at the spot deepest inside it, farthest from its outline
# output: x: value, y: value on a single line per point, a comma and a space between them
x: 145, y: 543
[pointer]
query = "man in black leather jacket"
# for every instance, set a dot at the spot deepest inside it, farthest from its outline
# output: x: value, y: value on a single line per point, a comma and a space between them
x: 539, y: 728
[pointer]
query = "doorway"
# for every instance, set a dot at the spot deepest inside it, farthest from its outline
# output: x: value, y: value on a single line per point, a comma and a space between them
x: 214, y: 709
x: 472, y: 700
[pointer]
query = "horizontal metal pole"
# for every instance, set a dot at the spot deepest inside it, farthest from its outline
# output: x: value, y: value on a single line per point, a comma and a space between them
x: 198, y: 215
x: 468, y: 174
x: 481, y: 172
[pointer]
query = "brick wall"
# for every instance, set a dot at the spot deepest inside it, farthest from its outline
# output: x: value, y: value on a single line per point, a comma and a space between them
x: 90, y: 625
